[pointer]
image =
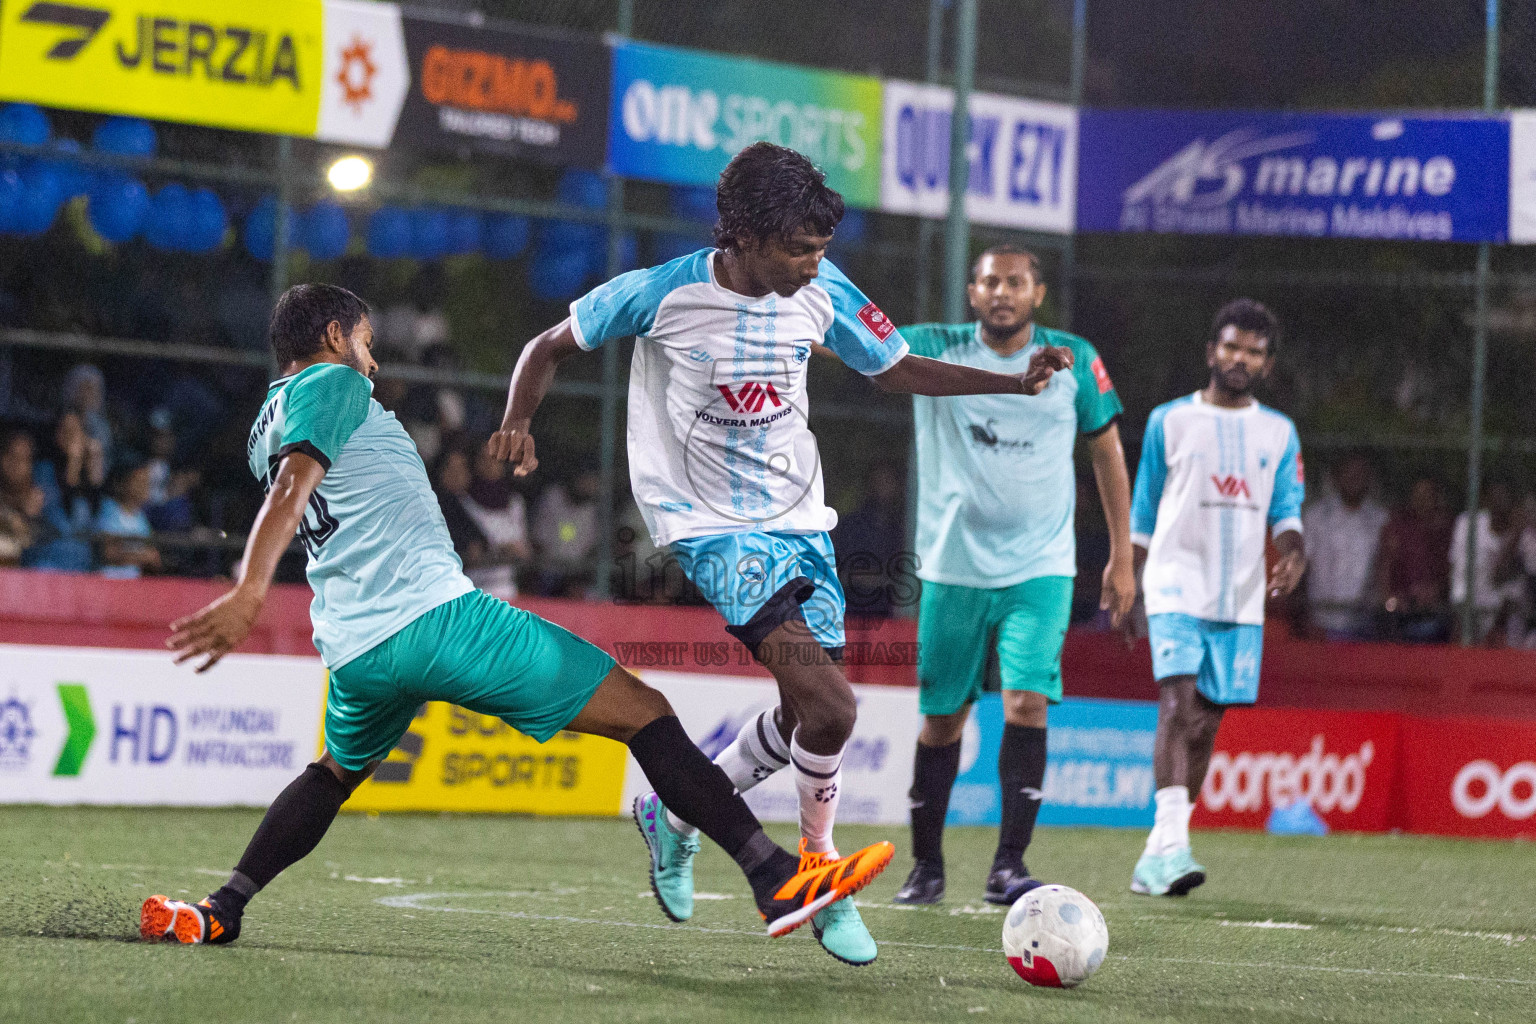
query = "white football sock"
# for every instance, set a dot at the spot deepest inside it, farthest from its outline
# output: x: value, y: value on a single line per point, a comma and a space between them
x: 818, y: 778
x: 756, y: 753
x: 1170, y: 828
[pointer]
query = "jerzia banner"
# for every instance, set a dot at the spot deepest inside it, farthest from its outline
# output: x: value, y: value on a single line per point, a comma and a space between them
x: 1318, y: 175
x: 518, y: 94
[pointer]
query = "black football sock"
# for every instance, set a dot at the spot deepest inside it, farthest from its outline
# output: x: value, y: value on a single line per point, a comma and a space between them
x: 933, y: 776
x: 1021, y: 770
x: 293, y: 827
x: 696, y: 790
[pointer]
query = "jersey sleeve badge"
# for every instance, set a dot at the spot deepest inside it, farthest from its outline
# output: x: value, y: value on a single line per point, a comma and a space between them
x: 878, y: 323
x: 1101, y: 376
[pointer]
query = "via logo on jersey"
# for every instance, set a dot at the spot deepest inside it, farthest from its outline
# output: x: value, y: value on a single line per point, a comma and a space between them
x: 750, y: 396
x: 1231, y: 486
x: 986, y: 436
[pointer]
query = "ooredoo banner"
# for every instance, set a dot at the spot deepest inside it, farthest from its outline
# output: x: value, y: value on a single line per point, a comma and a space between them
x: 1470, y: 777
x: 92, y: 726
x: 1022, y: 153
x: 680, y: 115
x: 1342, y: 762
x: 1271, y: 173
x: 511, y: 92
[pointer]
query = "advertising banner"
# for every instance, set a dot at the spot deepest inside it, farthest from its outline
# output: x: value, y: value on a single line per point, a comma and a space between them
x: 877, y: 763
x: 1098, y: 768
x: 251, y: 66
x: 366, y: 74
x: 519, y: 94
x: 1522, y: 176
x: 1471, y: 777
x: 1316, y: 175
x: 680, y: 115
x: 456, y: 760
x: 1343, y: 762
x: 94, y: 726
x: 1023, y: 158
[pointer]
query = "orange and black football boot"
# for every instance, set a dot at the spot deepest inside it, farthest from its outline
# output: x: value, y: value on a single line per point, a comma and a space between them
x: 162, y: 919
x: 820, y: 883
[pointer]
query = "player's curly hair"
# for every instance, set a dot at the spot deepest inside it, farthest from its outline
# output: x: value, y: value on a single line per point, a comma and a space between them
x: 1247, y: 315
x: 302, y: 315
x: 768, y: 191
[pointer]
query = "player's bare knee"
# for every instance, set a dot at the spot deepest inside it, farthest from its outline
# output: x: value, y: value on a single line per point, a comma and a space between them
x: 1025, y: 708
x: 943, y: 730
x: 346, y: 776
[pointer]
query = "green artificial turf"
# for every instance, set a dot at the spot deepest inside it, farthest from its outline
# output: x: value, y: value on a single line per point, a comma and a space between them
x: 461, y: 918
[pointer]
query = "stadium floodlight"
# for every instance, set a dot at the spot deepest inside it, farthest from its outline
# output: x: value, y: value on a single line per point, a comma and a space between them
x: 350, y: 173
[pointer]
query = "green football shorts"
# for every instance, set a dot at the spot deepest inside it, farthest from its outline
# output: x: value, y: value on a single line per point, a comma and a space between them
x: 475, y: 651
x: 957, y: 628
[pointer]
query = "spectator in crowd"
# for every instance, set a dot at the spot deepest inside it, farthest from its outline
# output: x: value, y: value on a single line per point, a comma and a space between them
x: 85, y: 395
x: 869, y: 540
x: 71, y: 478
x: 1499, y: 526
x: 1343, y: 530
x: 1413, y: 566
x: 123, y: 524
x: 564, y: 532
x: 501, y: 516
x: 170, y: 488
x: 451, y: 478
x: 21, y: 500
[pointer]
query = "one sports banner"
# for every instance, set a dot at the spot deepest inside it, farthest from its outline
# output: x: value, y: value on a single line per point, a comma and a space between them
x: 250, y: 66
x: 1023, y: 158
x: 1098, y: 764
x: 1522, y: 176
x: 95, y: 726
x: 1472, y: 777
x: 366, y: 73
x: 1440, y: 178
x: 680, y: 115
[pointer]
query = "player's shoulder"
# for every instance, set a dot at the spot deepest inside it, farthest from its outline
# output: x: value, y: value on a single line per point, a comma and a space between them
x: 1082, y: 348
x: 656, y: 283
x: 328, y: 380
x: 1160, y: 413
x: 933, y: 340
x: 1280, y: 420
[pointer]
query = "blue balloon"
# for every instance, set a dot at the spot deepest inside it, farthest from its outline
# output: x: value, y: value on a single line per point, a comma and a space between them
x: 557, y: 278
x: 429, y: 233
x: 667, y: 247
x: 389, y: 233
x: 577, y: 187
x: 169, y: 226
x: 10, y: 198
x: 506, y: 236
x: 466, y: 232
x: 75, y: 179
x: 693, y: 202
x: 25, y: 124
x: 41, y: 195
x: 118, y: 206
x: 209, y: 221
x: 326, y: 230
x: 563, y: 237
x: 125, y: 136
x: 261, y: 229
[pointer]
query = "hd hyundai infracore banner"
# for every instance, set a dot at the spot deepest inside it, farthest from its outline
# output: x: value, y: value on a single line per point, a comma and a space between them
x: 1318, y: 175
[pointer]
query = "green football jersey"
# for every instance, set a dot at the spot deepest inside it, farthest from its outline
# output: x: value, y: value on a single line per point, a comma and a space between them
x: 997, y: 488
x: 379, y: 553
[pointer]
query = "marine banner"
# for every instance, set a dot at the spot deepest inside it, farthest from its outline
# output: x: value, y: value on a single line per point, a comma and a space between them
x: 1385, y: 176
x: 456, y: 760
x: 97, y: 726
x: 1022, y: 153
x: 498, y: 90
x: 250, y: 66
x: 680, y: 115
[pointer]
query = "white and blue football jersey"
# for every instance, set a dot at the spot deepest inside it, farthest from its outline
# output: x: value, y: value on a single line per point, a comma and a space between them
x: 718, y: 439
x: 1212, y: 484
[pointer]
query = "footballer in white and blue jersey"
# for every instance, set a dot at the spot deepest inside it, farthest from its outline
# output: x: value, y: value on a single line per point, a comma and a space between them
x: 1220, y: 475
x: 726, y: 471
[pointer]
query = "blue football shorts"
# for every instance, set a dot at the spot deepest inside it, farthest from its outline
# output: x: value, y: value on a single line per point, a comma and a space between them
x: 1224, y: 657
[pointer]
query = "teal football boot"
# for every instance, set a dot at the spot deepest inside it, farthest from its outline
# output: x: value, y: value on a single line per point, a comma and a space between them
x: 839, y: 928
x: 672, y: 856
x: 1169, y: 874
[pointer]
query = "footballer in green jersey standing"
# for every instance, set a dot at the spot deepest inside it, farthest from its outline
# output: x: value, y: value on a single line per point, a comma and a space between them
x: 997, y: 555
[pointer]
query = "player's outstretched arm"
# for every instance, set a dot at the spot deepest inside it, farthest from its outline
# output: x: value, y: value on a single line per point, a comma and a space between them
x: 531, y: 378
x: 919, y: 375
x: 224, y: 624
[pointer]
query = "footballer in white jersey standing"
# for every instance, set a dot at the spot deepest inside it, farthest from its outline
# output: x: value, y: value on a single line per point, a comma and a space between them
x: 726, y: 471
x: 1219, y: 474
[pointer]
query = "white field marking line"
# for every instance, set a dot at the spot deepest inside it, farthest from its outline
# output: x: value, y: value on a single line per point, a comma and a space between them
x: 1507, y: 938
x: 412, y: 901
x: 1369, y: 971
x: 1268, y: 923
x: 705, y: 896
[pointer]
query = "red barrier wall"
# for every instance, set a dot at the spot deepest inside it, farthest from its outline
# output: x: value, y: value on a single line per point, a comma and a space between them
x: 87, y: 611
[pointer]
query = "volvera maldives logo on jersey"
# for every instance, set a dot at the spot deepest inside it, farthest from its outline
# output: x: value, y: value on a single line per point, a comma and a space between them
x: 750, y: 396
x: 1231, y: 486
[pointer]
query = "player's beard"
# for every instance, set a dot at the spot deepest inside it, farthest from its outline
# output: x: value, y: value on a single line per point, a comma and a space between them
x: 1011, y: 331
x: 1237, y: 381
